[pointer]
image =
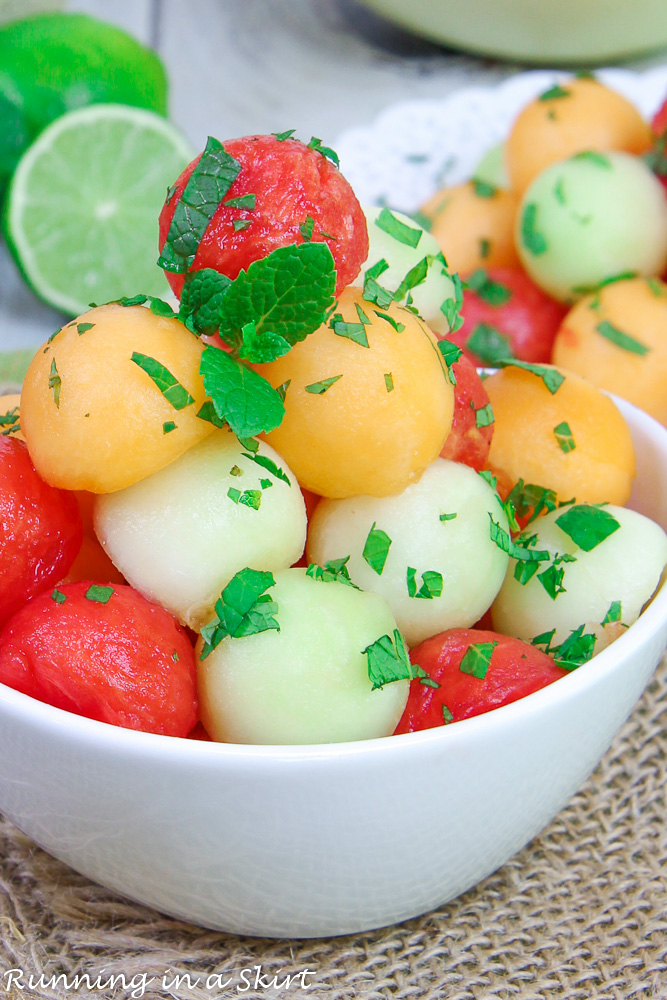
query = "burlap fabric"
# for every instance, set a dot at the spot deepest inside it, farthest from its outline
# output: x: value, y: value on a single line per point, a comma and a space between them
x: 578, y: 915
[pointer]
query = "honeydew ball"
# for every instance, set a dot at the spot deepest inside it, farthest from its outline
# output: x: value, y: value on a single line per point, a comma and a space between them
x: 415, y: 271
x: 624, y: 568
x: 573, y: 440
x: 428, y: 551
x: 362, y: 419
x: 590, y: 218
x: 180, y: 535
x: 308, y: 682
x: 94, y: 418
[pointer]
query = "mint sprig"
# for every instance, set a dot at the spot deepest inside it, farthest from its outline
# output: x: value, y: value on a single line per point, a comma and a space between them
x: 241, y: 397
x: 201, y: 300
x: 207, y: 185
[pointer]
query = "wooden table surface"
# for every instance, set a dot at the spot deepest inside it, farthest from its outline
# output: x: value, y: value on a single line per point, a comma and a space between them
x: 243, y: 66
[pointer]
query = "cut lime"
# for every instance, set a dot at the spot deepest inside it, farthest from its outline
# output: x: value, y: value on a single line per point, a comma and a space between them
x: 82, y: 211
x: 55, y: 62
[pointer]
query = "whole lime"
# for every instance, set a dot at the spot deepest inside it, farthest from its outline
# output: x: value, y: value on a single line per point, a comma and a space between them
x: 55, y: 62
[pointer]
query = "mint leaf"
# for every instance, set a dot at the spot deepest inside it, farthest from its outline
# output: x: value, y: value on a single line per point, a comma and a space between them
x: 451, y: 308
x: 84, y: 327
x: 319, y: 388
x: 416, y: 276
x: 388, y: 661
x: 483, y: 285
x: 168, y: 426
x: 564, y: 438
x: 431, y: 585
x: 376, y: 549
x: 281, y: 136
x: 333, y: 570
x: 58, y: 596
x: 200, y: 300
x: 207, y: 412
x: 388, y: 223
x: 207, y: 185
x: 621, y: 339
x: 316, y: 144
x: 260, y: 348
x: 554, y: 92
x: 389, y: 381
x: 529, y: 498
x: 351, y: 331
x: 477, y: 658
x: 168, y: 384
x: 55, y: 383
x: 267, y: 463
x: 287, y: 292
x: 552, y: 378
x: 514, y: 549
x: 484, y: 416
x: 98, y: 593
x: 489, y: 344
x: 587, y: 526
x: 249, y: 498
x: 246, y: 201
x: 483, y: 189
x: 451, y: 353
x: 614, y: 614
x: 243, y: 608
x: 532, y: 239
x: 241, y: 396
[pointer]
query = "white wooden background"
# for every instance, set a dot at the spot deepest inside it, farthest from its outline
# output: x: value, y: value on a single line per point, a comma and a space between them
x: 238, y: 67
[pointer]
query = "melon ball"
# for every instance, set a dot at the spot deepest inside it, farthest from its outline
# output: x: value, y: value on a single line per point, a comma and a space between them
x: 368, y: 403
x: 112, y: 397
x: 590, y: 218
x: 567, y: 118
x: 474, y: 225
x: 180, y: 535
x: 560, y: 432
x: 617, y: 339
x: 603, y: 565
x: 307, y: 682
x: 429, y: 551
x: 406, y: 261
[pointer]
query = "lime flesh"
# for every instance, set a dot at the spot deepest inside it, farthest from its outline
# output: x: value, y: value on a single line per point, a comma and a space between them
x: 82, y: 212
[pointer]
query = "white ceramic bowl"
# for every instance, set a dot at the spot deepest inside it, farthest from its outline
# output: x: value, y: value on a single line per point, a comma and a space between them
x: 324, y: 840
x: 537, y: 31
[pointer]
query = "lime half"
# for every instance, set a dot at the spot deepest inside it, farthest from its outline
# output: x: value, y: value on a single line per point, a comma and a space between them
x: 81, y: 217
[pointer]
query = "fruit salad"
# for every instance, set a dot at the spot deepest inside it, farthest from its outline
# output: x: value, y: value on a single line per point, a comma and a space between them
x: 286, y: 508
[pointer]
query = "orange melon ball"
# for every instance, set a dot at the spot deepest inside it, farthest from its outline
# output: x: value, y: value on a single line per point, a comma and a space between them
x: 572, y: 440
x: 617, y: 339
x: 112, y: 397
x: 10, y: 416
x: 92, y: 563
x: 362, y: 419
x: 581, y: 114
x: 474, y: 225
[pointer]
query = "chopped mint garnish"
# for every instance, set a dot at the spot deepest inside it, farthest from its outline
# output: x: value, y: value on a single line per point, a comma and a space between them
x: 316, y: 144
x: 84, y: 327
x: 493, y: 292
x: 477, y: 658
x: 451, y: 308
x: 552, y: 378
x: 587, y: 526
x: 484, y: 416
x: 564, y: 438
x: 58, y: 596
x: 490, y: 344
x: 238, y: 225
x: 400, y: 231
x: 246, y: 201
x: 388, y: 661
x: 416, y: 276
x: 483, y: 189
x: 267, y: 463
x: 431, y: 586
x: 389, y: 381
x: 621, y: 339
x: 168, y: 384
x: 98, y: 593
x: 207, y: 186
x: 319, y: 388
x: 55, y: 383
x: 306, y: 228
x: 451, y: 353
x: 281, y: 136
x: 515, y: 549
x: 447, y: 716
x: 598, y: 159
x: 249, y: 498
x: 243, y: 608
x: 448, y: 517
x: 351, y: 331
x: 529, y: 498
x: 376, y: 549
x: 333, y: 570
x: 168, y: 426
x: 614, y: 613
x: 553, y: 93
x: 532, y: 239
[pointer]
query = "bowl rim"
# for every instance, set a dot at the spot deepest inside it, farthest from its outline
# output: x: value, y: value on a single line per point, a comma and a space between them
x: 116, y: 738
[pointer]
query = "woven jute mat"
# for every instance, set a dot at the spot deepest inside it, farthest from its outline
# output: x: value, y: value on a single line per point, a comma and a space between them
x: 578, y: 915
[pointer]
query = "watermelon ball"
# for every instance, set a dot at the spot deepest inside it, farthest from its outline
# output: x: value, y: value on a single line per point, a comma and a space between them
x: 293, y: 193
x: 106, y: 653
x: 469, y: 440
x: 505, y: 314
x: 476, y: 670
x: 40, y: 529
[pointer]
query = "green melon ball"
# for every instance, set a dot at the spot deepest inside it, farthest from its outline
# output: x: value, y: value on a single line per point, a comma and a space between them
x: 308, y: 682
x: 180, y: 535
x: 590, y: 218
x: 491, y: 168
x: 406, y: 262
x: 609, y: 583
x: 427, y: 550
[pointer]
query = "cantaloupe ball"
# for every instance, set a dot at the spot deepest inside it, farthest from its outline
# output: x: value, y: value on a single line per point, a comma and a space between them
x: 362, y: 419
x: 10, y: 416
x: 94, y: 418
x: 622, y: 570
x: 591, y: 218
x: 407, y: 261
x: 308, y: 682
x: 617, y: 339
x: 429, y: 551
x: 573, y: 440
x: 180, y: 535
x: 474, y: 225
x: 568, y: 118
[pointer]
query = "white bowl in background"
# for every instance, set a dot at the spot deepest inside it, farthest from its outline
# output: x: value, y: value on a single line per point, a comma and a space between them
x: 323, y: 840
x: 537, y: 31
